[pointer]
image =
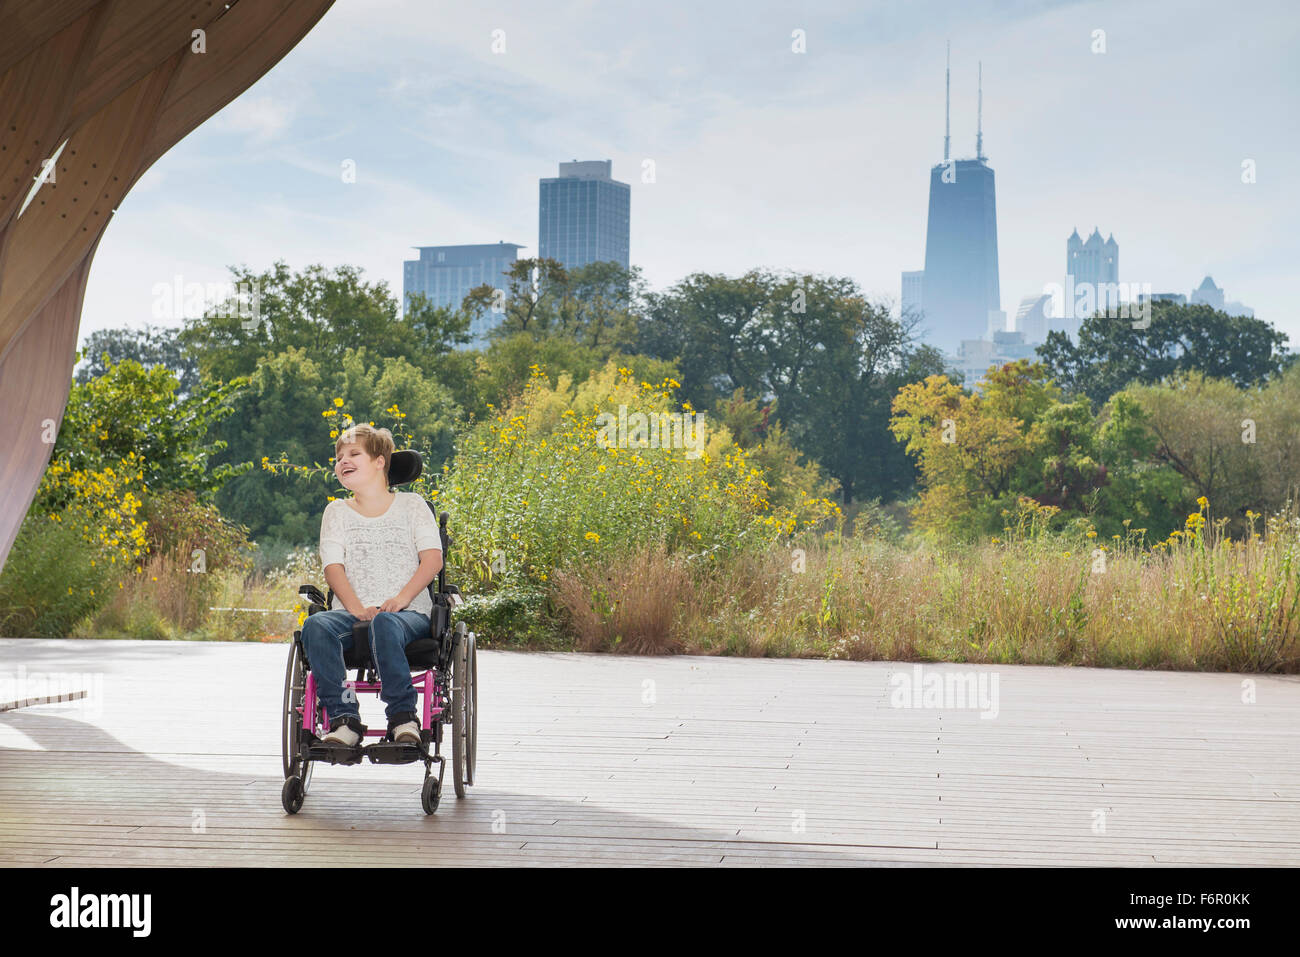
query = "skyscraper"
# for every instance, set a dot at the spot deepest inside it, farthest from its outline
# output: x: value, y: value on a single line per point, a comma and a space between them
x: 913, y: 302
x: 961, y: 295
x: 446, y: 274
x: 584, y: 215
x: 1208, y: 293
x: 1095, y: 261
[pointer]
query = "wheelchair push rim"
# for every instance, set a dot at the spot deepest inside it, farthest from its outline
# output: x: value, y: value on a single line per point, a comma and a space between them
x: 460, y: 678
x: 295, y: 688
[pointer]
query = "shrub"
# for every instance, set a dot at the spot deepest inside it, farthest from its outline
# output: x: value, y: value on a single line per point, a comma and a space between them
x: 535, y: 490
x: 630, y: 604
x: 66, y: 560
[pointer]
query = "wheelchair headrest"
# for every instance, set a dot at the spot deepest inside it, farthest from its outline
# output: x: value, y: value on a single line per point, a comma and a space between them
x: 406, y: 467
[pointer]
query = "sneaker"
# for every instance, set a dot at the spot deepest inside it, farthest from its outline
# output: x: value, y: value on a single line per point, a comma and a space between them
x: 344, y: 733
x: 404, y: 729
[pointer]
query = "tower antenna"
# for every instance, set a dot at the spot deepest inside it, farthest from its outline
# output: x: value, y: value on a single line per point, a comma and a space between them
x: 947, y: 98
x: 979, y: 118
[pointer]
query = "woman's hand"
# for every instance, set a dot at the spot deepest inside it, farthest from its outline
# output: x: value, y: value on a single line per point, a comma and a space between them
x: 394, y: 604
x: 365, y: 614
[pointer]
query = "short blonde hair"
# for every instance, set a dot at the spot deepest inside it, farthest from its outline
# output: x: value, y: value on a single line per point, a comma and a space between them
x: 376, y: 442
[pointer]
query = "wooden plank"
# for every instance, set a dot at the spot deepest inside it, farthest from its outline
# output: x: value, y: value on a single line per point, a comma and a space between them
x: 738, y: 762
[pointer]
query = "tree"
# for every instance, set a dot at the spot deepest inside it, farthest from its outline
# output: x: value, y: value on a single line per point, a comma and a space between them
x: 534, y: 288
x: 132, y: 409
x: 324, y: 312
x: 753, y: 426
x: 1141, y: 492
x: 970, y: 449
x: 438, y: 330
x: 830, y: 360
x: 979, y: 453
x: 281, y: 413
x: 150, y: 346
x: 1111, y: 353
x: 1197, y: 425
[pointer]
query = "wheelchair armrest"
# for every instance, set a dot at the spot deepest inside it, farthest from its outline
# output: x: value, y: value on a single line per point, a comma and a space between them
x: 312, y: 593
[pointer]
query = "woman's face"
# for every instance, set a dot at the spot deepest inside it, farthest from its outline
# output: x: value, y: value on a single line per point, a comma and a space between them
x: 355, y: 469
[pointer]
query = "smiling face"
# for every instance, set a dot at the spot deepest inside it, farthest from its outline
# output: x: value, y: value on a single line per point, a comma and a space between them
x: 357, y: 470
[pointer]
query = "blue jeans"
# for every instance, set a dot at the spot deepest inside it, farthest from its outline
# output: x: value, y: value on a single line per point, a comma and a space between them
x: 326, y: 635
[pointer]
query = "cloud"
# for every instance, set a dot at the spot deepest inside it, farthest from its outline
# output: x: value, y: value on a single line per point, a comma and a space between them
x: 260, y: 117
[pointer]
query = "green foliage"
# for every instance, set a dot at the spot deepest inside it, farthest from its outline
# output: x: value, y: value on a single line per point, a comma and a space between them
x: 1140, y: 492
x: 504, y: 368
x: 321, y: 312
x: 754, y: 427
x: 536, y: 489
x: 518, y: 612
x: 595, y: 306
x: 1111, y: 353
x: 180, y: 524
x: 52, y: 579
x: 150, y: 346
x: 980, y: 455
x: 129, y: 409
x: 831, y: 360
x: 279, y: 417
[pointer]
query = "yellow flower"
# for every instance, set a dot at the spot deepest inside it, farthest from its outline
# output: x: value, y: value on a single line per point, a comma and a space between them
x: 338, y: 403
x: 592, y: 537
x: 1202, y: 501
x: 1093, y: 534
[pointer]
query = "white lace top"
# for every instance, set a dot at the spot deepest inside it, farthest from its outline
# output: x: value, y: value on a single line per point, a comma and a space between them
x: 379, y: 555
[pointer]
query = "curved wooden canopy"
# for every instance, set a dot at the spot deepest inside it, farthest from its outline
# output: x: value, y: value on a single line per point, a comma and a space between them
x: 116, y: 83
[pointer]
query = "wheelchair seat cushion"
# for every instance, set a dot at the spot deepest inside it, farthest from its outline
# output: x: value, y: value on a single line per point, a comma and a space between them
x: 421, y: 653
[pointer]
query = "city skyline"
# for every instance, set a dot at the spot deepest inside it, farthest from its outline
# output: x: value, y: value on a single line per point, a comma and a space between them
x: 741, y: 153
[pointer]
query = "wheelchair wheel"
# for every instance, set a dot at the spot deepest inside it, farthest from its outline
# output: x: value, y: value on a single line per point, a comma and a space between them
x: 430, y: 793
x: 459, y: 715
x: 295, y: 693
x: 471, y: 744
x: 291, y: 794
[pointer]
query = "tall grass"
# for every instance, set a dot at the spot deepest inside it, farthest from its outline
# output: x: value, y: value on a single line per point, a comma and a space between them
x: 1199, y: 601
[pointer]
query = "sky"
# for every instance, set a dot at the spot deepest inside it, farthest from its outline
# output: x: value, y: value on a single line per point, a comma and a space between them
x: 813, y: 161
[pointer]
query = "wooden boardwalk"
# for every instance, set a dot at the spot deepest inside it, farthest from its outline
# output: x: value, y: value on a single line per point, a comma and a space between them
x: 613, y: 760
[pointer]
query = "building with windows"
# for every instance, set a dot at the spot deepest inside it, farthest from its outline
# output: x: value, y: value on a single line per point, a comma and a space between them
x: 912, y: 303
x: 1032, y: 319
x: 446, y: 274
x: 584, y: 215
x: 962, y: 299
x: 1094, y: 260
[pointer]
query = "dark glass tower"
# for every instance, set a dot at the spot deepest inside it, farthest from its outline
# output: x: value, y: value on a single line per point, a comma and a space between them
x: 961, y: 253
x: 961, y: 246
x: 583, y: 215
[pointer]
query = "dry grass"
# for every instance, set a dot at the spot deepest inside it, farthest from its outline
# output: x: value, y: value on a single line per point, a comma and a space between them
x: 630, y: 606
x: 1209, y: 604
x: 173, y: 597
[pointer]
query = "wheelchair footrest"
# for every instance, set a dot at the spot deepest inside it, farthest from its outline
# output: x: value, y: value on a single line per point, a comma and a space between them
x: 334, y: 755
x: 391, y: 752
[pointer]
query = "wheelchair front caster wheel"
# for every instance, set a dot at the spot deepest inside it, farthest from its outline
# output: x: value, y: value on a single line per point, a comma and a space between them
x: 429, y: 795
x: 291, y: 794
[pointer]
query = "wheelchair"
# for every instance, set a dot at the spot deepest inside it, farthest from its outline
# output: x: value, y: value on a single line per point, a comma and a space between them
x: 444, y: 672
